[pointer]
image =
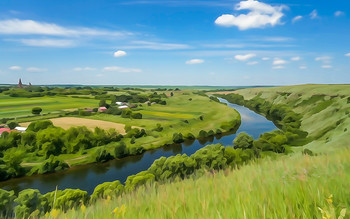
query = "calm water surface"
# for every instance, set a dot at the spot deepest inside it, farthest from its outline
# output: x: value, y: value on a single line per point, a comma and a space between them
x: 87, y: 177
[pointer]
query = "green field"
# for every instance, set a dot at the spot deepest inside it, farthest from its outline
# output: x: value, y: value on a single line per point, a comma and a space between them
x: 290, y: 186
x: 11, y: 107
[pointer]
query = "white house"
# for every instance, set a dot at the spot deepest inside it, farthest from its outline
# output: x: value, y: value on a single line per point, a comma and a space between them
x: 119, y: 103
x: 123, y: 107
x: 21, y: 129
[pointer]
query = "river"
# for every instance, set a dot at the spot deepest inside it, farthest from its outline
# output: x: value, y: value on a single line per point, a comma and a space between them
x: 87, y: 177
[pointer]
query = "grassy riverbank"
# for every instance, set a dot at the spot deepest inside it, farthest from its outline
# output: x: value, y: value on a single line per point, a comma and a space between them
x: 289, y: 186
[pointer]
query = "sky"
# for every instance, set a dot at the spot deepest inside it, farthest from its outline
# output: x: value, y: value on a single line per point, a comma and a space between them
x: 175, y: 42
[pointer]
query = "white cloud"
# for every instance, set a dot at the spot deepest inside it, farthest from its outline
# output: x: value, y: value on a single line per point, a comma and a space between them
x: 260, y: 15
x: 48, y: 42
x: 119, y: 53
x: 15, y: 68
x: 194, y: 61
x: 244, y: 57
x: 121, y: 69
x: 314, y: 14
x: 347, y: 54
x: 155, y: 46
x: 339, y: 13
x: 31, y: 27
x: 297, y: 18
x: 326, y: 66
x: 297, y: 58
x: 265, y: 58
x: 302, y: 67
x: 324, y: 59
x: 35, y: 69
x: 278, y: 61
x: 84, y: 69
x: 278, y: 67
x: 253, y: 63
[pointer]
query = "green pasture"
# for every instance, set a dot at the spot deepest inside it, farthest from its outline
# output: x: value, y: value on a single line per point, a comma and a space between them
x: 11, y: 107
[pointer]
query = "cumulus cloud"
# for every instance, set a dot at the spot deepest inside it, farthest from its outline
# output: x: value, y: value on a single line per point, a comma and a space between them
x: 119, y: 53
x: 326, y: 66
x: 194, y: 61
x: 278, y: 67
x: 297, y: 58
x: 31, y: 27
x: 265, y: 58
x: 15, y: 68
x: 121, y: 69
x: 84, y: 69
x: 347, y: 54
x: 260, y: 15
x: 253, y: 63
x: 314, y: 14
x: 297, y: 18
x: 35, y: 69
x: 244, y: 57
x: 339, y: 13
x: 302, y: 67
x: 278, y: 61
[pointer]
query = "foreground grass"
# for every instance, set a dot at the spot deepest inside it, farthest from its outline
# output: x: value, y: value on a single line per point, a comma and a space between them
x: 290, y: 187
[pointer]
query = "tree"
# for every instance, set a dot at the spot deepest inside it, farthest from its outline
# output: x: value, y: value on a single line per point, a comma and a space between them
x: 178, y: 138
x: 36, y: 110
x: 12, y: 124
x: 28, y: 201
x: 243, y: 140
x: 120, y: 150
x: 102, y: 103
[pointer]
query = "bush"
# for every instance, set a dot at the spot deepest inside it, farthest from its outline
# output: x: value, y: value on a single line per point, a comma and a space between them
x: 36, y: 110
x: 6, y: 202
x: 243, y: 140
x: 142, y: 178
x: 51, y: 165
x: 126, y: 113
x: 107, y: 189
x: 136, y: 115
x: 12, y: 124
x: 39, y: 125
x: 28, y: 201
x: 178, y: 138
x: 84, y: 113
x: 101, y: 155
x: 120, y: 150
x: 158, y: 128
x: 190, y: 136
x: 70, y: 198
x: 203, y: 134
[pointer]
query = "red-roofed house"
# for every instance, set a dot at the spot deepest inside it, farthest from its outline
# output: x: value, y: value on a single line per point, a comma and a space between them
x: 102, y: 109
x: 5, y: 130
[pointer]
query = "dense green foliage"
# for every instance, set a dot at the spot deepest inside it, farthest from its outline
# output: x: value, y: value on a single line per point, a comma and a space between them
x: 36, y: 110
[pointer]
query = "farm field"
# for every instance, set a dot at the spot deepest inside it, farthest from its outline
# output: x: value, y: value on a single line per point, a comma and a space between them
x: 20, y: 107
x: 68, y: 122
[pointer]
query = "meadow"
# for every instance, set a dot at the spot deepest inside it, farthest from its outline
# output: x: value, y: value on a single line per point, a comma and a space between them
x: 11, y: 107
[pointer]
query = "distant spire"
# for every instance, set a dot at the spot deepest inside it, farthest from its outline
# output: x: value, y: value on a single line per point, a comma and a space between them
x: 20, y: 85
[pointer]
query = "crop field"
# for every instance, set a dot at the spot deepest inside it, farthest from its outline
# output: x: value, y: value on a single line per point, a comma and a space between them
x: 19, y: 107
x: 67, y: 122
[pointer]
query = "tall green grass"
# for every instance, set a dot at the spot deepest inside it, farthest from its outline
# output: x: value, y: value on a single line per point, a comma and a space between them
x: 289, y: 187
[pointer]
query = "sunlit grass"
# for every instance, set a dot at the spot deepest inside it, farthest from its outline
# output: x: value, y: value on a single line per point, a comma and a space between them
x: 289, y: 187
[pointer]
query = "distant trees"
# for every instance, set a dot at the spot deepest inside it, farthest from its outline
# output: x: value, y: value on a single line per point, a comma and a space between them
x: 36, y: 110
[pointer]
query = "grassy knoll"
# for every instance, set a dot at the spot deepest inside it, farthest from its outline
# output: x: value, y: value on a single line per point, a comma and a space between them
x: 290, y: 186
x: 19, y: 107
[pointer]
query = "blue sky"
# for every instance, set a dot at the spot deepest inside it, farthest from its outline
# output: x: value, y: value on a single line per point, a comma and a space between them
x: 175, y: 42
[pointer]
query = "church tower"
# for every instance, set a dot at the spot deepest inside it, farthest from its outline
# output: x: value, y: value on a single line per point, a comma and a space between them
x: 20, y: 85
